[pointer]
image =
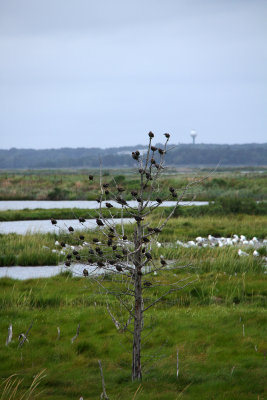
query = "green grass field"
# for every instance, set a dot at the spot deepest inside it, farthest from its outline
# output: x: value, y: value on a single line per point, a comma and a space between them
x: 218, y: 358
x: 74, y: 185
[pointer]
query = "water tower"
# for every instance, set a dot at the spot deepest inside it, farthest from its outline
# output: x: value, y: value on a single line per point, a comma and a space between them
x: 193, y: 135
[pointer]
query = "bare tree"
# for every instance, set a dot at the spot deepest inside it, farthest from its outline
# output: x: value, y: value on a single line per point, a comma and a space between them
x: 120, y: 260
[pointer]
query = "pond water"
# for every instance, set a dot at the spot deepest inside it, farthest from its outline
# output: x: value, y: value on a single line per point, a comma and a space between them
x: 23, y: 273
x: 33, y: 204
x: 45, y: 226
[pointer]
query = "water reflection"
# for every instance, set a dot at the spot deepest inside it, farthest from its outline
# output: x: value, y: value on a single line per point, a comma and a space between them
x: 45, y: 226
x: 33, y: 204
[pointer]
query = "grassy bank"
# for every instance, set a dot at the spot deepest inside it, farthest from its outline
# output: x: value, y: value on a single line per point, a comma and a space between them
x: 36, y: 249
x: 218, y: 324
x: 221, y: 207
x: 74, y: 185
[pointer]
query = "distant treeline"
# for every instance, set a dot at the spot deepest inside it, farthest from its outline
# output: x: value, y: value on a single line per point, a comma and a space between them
x: 120, y: 157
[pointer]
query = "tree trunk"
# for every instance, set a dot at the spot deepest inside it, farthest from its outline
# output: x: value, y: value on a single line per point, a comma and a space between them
x: 138, y: 309
x: 138, y: 317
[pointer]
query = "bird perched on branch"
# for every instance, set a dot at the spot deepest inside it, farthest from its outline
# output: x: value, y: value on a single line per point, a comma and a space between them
x: 99, y: 222
x: 85, y: 272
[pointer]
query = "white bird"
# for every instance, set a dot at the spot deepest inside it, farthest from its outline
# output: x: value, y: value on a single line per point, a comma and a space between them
x: 235, y: 236
x: 200, y: 239
x: 251, y: 242
x: 255, y: 239
x: 210, y: 237
x: 229, y: 241
x: 256, y: 253
x: 242, y: 253
x: 234, y: 241
x: 179, y: 243
x: 191, y: 243
x: 242, y: 237
x: 57, y: 243
x: 158, y: 244
x: 245, y: 242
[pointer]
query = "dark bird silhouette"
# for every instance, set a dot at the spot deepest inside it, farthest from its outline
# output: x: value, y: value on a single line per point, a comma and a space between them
x: 81, y: 237
x: 124, y: 237
x: 108, y: 205
x: 134, y: 193
x: 91, y: 178
x: 62, y: 244
x: 96, y: 240
x: 100, y: 264
x: 118, y: 268
x: 67, y: 263
x: 105, y: 185
x: 99, y: 222
x: 171, y: 189
x: 85, y: 272
x: 151, y: 134
x: 147, y: 284
x: 153, y: 148
x: 158, y: 200
x: 148, y: 256
x: 167, y: 135
x: 71, y: 229
x: 81, y: 219
x: 163, y: 262
x: 53, y: 221
x: 75, y: 252
x: 69, y: 256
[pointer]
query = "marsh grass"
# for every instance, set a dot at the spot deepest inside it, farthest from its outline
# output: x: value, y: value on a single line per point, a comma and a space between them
x: 206, y: 328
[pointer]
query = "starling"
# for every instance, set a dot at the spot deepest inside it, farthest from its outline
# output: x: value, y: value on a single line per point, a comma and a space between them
x: 150, y: 229
x: 124, y: 251
x: 148, y: 176
x: 100, y: 264
x: 75, y: 252
x: 112, y: 230
x: 69, y: 256
x: 78, y: 257
x: 91, y: 261
x: 174, y: 195
x: 95, y: 240
x: 62, y: 244
x: 157, y: 166
x: 152, y: 161
x: 167, y: 135
x: 118, y: 268
x: 97, y: 249
x: 108, y: 205
x: 111, y: 262
x: 157, y: 230
x: 109, y: 242
x: 91, y: 251
x: 139, y: 199
x: 71, y: 229
x: 114, y: 247
x: 145, y: 240
x: 124, y: 237
x: 53, y: 221
x: 151, y: 134
x: 98, y: 199
x: 121, y: 201
x: 85, y: 272
x: 138, y: 219
x: 91, y: 178
x: 158, y: 200
x: 134, y: 193
x: 105, y: 185
x: 120, y: 189
x: 171, y: 189
x: 161, y: 152
x: 67, y: 263
x: 143, y: 250
x: 81, y: 219
x: 81, y: 237
x: 111, y: 235
x: 137, y: 153
x: 135, y: 156
x: 147, y: 284
x: 141, y: 171
x: 148, y: 256
x: 153, y: 148
x: 118, y: 256
x: 106, y: 191
x: 99, y: 222
x: 100, y: 253
x: 163, y: 262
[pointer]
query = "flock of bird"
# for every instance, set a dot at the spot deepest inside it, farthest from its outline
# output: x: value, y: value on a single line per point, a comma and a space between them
x: 236, y: 240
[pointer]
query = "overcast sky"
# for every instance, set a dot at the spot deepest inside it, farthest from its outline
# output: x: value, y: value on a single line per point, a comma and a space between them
x: 86, y: 73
